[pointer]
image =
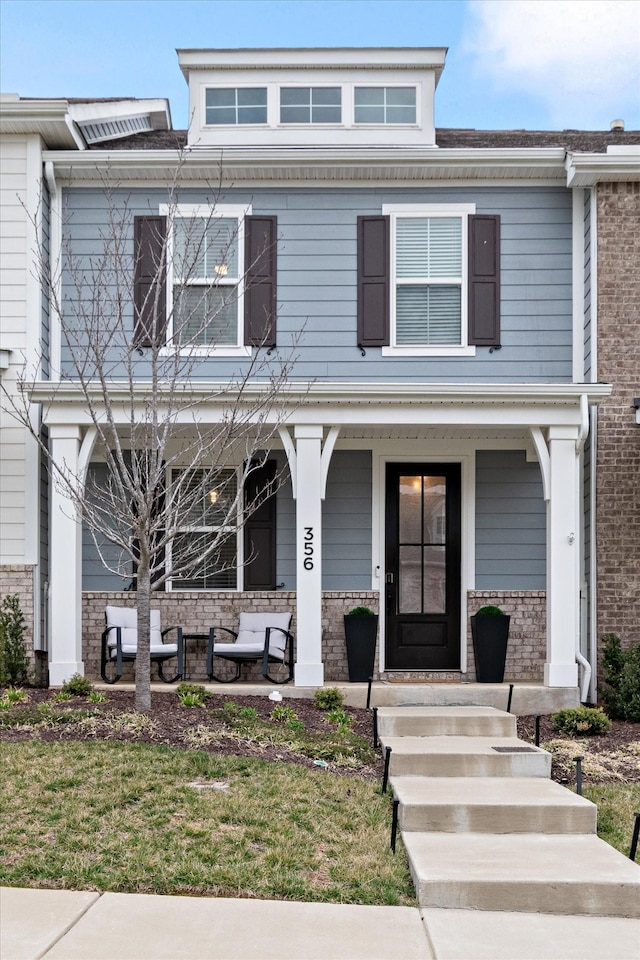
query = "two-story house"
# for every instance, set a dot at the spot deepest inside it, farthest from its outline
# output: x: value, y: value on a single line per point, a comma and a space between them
x: 436, y: 291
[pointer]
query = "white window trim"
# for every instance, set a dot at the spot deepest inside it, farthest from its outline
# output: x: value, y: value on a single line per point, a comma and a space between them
x: 386, y: 126
x: 185, y: 211
x: 232, y: 86
x: 462, y: 210
x: 239, y: 587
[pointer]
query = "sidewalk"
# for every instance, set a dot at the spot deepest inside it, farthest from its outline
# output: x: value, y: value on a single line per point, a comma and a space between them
x: 66, y: 925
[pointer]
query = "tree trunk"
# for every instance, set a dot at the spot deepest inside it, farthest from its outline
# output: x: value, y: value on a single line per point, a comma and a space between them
x: 143, y: 658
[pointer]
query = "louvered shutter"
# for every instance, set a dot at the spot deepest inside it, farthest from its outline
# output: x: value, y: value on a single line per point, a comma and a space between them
x: 373, y: 281
x: 260, y: 281
x: 260, y: 529
x: 149, y: 286
x: 484, y: 280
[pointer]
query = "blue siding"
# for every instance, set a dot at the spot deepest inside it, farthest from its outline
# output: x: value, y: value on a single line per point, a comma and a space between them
x: 95, y: 576
x: 317, y: 278
x: 45, y: 308
x: 510, y: 522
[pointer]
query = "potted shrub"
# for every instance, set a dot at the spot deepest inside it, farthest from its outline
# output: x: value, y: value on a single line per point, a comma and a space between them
x: 490, y: 632
x: 361, y: 630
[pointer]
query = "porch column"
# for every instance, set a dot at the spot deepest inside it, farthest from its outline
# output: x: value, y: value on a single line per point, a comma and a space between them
x: 65, y: 578
x: 309, y: 669
x: 563, y: 551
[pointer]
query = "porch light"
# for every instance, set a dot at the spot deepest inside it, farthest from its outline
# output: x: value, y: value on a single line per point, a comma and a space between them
x: 213, y: 496
x: 221, y: 269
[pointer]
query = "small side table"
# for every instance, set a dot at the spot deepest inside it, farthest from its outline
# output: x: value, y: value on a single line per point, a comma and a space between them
x: 195, y: 637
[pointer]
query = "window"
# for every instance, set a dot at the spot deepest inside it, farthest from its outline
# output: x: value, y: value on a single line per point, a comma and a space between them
x: 428, y: 280
x: 236, y: 105
x: 385, y: 104
x: 310, y: 105
x: 206, y: 267
x: 206, y: 508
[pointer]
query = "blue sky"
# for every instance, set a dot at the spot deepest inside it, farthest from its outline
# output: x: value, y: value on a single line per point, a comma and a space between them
x: 533, y: 64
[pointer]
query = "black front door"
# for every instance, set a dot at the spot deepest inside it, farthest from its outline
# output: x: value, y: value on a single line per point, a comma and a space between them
x: 422, y: 566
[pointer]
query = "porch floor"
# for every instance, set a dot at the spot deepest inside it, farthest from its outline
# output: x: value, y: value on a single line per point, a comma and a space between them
x: 528, y: 698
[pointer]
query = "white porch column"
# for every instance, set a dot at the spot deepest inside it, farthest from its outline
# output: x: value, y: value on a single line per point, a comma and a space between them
x: 563, y: 551
x: 65, y: 580
x: 309, y: 669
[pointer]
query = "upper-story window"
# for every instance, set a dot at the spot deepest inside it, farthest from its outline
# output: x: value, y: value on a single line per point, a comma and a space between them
x: 428, y: 280
x: 236, y: 105
x: 385, y: 104
x: 310, y: 105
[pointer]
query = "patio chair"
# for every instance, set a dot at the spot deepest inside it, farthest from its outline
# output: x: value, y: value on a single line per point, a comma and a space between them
x: 261, y: 638
x: 120, y: 643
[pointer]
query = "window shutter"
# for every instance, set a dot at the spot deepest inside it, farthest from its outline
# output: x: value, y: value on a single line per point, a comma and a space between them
x: 260, y: 530
x: 373, y: 281
x: 260, y: 281
x: 484, y: 281
x: 149, y: 284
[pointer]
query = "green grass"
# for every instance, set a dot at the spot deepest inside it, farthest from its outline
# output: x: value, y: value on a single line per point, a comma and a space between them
x: 126, y: 817
x: 617, y: 804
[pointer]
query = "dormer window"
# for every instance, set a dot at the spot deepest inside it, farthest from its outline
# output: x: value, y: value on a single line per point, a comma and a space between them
x: 385, y: 105
x: 310, y: 105
x: 235, y: 105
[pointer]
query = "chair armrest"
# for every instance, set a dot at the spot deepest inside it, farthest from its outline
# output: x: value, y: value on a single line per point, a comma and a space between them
x: 167, y: 630
x: 210, y: 645
x: 226, y: 630
x: 107, y: 631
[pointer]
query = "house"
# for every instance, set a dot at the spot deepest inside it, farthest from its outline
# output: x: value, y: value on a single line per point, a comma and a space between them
x: 440, y: 293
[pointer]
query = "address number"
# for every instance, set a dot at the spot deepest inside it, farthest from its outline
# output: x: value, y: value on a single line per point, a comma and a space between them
x: 308, y: 548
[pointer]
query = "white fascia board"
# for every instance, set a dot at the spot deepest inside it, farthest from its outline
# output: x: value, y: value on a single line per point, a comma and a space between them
x: 587, y: 169
x: 157, y: 109
x: 331, y: 163
x: 48, y: 118
x: 318, y: 58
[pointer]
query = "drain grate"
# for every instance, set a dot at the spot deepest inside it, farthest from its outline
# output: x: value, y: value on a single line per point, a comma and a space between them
x: 514, y: 749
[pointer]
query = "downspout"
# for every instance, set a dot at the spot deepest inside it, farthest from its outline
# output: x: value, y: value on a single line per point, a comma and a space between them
x: 593, y: 442
x: 582, y: 436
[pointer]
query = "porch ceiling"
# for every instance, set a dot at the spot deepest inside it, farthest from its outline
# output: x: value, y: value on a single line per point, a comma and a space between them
x: 417, y: 432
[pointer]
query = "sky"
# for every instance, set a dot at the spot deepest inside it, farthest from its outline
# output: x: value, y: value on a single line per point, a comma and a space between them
x: 530, y: 64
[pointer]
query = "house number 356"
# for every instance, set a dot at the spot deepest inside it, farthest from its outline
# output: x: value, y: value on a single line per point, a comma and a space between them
x: 308, y: 548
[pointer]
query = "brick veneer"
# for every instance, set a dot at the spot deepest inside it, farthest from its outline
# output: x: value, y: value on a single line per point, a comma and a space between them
x: 18, y: 579
x: 196, y: 611
x: 618, y: 459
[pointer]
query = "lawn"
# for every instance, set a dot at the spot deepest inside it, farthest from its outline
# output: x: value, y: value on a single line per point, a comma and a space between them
x: 135, y: 817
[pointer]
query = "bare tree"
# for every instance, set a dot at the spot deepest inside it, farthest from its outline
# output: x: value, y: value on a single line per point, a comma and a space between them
x: 170, y: 497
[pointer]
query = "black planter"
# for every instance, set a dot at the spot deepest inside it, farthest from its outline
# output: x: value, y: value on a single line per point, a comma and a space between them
x: 361, y: 630
x: 490, y: 635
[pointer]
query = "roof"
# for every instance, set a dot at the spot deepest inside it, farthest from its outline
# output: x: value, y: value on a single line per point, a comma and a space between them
x: 584, y: 141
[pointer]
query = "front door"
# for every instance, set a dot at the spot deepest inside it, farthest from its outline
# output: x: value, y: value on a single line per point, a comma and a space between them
x: 422, y: 566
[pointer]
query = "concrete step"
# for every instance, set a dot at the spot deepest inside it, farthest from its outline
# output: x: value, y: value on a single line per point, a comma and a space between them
x: 491, y: 804
x: 465, y: 721
x: 487, y: 935
x: 529, y: 873
x: 528, y: 698
x: 466, y: 757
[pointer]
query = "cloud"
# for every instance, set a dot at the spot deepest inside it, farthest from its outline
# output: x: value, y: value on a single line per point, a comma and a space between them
x: 581, y: 58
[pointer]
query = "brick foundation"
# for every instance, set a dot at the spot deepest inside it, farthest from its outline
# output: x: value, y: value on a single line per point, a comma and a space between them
x: 618, y: 460
x: 19, y: 579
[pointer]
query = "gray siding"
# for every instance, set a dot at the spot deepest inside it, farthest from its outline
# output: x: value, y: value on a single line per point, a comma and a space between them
x: 317, y: 278
x: 510, y: 522
x: 587, y: 285
x: 95, y: 576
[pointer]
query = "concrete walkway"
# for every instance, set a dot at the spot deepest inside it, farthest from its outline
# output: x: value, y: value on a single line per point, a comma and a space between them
x: 65, y: 925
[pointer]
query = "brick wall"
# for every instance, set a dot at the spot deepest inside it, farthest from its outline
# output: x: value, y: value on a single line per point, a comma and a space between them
x: 197, y: 611
x: 18, y: 579
x: 618, y: 470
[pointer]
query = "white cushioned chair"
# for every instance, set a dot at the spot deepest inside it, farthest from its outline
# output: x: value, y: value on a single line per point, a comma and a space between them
x: 120, y: 643
x: 261, y: 637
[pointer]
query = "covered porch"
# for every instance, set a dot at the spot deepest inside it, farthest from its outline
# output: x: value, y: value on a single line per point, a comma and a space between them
x: 345, y: 450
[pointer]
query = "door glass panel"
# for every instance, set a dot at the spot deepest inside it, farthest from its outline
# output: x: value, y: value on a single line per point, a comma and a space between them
x: 410, y: 510
x: 435, y: 499
x: 410, y: 580
x: 435, y: 579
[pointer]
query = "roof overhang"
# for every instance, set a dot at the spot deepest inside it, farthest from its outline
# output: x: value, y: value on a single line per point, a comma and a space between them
x: 48, y: 118
x: 509, y: 405
x: 618, y: 163
x: 346, y: 165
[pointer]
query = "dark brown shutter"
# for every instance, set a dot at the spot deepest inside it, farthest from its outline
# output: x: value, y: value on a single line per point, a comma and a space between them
x: 260, y: 529
x: 373, y: 281
x: 149, y: 285
x: 484, y: 281
x: 260, y: 263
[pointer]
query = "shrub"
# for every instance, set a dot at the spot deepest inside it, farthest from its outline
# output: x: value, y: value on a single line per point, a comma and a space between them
x: 197, y: 688
x: 621, y: 692
x: 13, y: 695
x: 490, y: 611
x: 190, y: 700
x: 282, y: 714
x: 361, y: 612
x: 77, y: 686
x: 328, y: 698
x: 96, y: 696
x: 341, y: 718
x: 14, y: 664
x: 581, y: 721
